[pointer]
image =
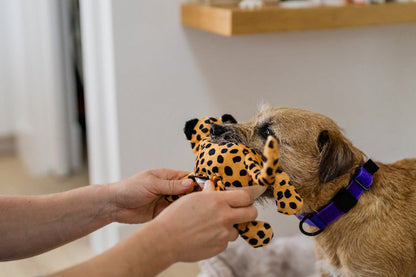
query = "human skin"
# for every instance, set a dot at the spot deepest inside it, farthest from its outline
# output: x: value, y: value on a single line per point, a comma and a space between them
x: 195, y: 227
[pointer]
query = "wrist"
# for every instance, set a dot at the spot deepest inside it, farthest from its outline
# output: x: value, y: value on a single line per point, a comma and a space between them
x: 164, y: 241
x: 108, y: 196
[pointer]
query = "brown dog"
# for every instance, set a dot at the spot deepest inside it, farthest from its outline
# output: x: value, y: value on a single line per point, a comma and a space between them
x: 377, y: 237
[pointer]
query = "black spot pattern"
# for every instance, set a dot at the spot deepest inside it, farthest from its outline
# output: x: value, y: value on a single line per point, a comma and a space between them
x: 293, y: 205
x: 237, y: 184
x: 271, y: 144
x: 220, y: 159
x: 205, y: 130
x: 252, y: 166
x: 228, y: 171
x: 298, y: 198
x: 211, y: 152
x: 233, y: 151
x: 201, y: 155
x: 237, y: 159
x: 267, y: 226
x: 202, y: 161
x: 198, y: 137
x: 230, y: 145
x: 243, y: 172
x: 275, y: 162
x: 279, y: 195
x: 282, y: 205
x: 215, y: 169
x: 209, y: 163
x: 261, y: 234
x: 192, y: 145
x: 283, y: 182
x: 288, y: 194
x: 245, y: 151
x: 266, y: 241
x: 254, y: 223
x: 208, y: 145
x: 269, y: 171
x: 224, y: 150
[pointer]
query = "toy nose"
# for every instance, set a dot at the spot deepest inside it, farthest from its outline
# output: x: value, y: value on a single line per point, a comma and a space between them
x: 217, y: 130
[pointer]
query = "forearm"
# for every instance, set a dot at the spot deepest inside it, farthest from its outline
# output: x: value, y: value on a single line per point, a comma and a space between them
x: 144, y: 253
x: 31, y: 225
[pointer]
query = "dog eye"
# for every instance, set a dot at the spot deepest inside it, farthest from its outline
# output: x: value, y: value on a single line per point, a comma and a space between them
x: 266, y: 131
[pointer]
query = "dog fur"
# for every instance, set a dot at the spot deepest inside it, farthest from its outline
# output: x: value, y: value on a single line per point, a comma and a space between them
x: 375, y: 238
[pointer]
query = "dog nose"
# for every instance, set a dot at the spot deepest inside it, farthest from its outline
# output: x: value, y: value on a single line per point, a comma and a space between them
x: 217, y: 130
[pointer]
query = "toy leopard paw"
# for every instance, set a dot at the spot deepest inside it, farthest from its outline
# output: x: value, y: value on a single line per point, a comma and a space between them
x: 287, y: 198
x: 255, y: 233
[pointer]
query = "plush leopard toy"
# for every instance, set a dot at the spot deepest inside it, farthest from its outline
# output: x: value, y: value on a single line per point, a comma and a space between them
x: 235, y: 166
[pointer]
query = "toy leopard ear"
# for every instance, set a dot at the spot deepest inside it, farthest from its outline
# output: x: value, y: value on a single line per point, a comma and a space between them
x: 228, y: 118
x: 189, y: 127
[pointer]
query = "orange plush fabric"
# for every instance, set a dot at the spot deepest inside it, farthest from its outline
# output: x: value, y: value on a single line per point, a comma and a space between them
x: 235, y: 166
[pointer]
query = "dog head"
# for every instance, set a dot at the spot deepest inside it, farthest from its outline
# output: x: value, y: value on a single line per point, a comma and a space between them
x: 313, y: 150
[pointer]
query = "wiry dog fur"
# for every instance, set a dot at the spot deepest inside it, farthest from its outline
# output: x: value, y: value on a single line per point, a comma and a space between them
x: 375, y: 238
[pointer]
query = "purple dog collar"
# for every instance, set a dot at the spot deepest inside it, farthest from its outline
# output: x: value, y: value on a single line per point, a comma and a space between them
x: 343, y: 201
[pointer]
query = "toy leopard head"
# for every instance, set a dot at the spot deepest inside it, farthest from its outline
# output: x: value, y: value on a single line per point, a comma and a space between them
x: 235, y: 166
x: 196, y: 130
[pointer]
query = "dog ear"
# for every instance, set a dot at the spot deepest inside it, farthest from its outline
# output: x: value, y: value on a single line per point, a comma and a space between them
x: 336, y: 156
x: 189, y: 127
x: 228, y: 118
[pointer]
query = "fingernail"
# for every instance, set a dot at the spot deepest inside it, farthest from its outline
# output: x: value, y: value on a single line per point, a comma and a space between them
x: 187, y: 182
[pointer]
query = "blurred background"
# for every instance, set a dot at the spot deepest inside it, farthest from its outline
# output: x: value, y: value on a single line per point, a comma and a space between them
x: 95, y: 91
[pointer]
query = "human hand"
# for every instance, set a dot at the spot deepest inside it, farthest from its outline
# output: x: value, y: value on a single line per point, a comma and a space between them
x: 141, y: 197
x: 200, y: 225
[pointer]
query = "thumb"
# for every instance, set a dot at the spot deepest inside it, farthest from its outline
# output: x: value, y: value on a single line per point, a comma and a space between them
x: 209, y: 186
x: 166, y: 187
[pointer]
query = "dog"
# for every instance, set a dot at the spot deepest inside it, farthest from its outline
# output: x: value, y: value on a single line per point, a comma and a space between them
x: 377, y: 236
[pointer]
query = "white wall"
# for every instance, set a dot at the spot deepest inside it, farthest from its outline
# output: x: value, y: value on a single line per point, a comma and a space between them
x: 364, y: 78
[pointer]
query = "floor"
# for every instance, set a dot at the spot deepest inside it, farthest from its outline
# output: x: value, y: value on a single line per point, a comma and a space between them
x: 15, y: 179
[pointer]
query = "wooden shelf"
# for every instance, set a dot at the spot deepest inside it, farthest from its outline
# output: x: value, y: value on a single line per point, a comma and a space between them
x: 232, y: 20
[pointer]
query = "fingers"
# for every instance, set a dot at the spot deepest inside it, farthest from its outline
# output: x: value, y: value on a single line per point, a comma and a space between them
x: 245, y: 214
x: 167, y: 187
x: 168, y: 174
x: 167, y: 181
x: 238, y: 198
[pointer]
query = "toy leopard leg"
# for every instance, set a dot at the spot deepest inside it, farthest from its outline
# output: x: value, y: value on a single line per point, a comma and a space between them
x: 265, y: 175
x: 195, y: 187
x: 255, y: 233
x: 287, y: 198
